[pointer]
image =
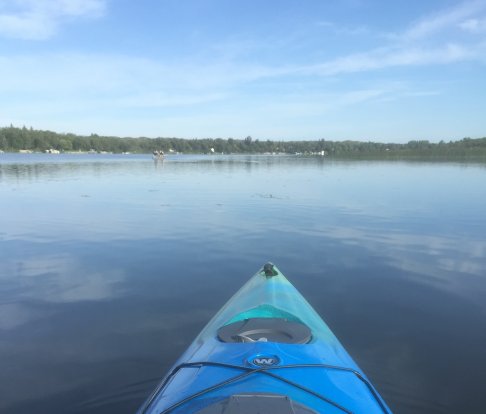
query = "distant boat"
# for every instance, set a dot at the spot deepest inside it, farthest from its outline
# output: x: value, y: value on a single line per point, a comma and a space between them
x: 158, y: 155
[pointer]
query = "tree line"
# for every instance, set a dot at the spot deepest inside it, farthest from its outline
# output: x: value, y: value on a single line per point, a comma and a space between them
x: 13, y: 139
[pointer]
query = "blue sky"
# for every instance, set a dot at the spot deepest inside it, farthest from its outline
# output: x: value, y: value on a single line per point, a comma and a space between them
x: 381, y: 70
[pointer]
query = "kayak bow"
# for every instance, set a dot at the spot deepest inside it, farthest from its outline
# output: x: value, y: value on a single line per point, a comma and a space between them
x: 266, y: 351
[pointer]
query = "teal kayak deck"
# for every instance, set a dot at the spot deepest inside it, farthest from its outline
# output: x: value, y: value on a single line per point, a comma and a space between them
x: 251, y: 348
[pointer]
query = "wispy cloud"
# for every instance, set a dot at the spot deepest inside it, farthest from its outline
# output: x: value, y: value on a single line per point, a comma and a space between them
x: 474, y: 25
x: 431, y: 40
x: 41, y: 19
x: 435, y: 39
x: 288, y: 76
x: 395, y: 56
x: 444, y: 20
x: 345, y: 30
x: 156, y: 81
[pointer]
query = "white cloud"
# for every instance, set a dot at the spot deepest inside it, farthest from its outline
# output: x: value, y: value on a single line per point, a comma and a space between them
x: 41, y: 19
x: 397, y: 56
x: 443, y: 20
x: 47, y: 89
x: 431, y: 40
x: 152, y: 82
x: 161, y: 99
x: 77, y: 7
x: 345, y: 30
x: 474, y: 25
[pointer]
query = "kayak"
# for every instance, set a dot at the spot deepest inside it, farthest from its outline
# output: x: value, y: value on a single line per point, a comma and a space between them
x: 266, y: 351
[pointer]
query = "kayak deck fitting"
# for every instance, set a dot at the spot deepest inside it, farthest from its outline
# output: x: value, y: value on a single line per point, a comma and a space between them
x: 266, y: 351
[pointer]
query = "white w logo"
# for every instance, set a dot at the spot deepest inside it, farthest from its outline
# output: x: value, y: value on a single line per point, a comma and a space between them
x: 265, y: 361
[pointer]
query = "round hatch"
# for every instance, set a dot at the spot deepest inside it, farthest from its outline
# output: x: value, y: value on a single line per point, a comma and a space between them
x: 265, y: 330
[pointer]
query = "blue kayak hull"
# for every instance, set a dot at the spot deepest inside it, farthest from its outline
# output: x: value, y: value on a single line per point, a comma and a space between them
x: 225, y: 360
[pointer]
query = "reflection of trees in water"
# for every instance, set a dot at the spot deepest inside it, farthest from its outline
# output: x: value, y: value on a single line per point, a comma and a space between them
x: 33, y: 167
x: 44, y: 166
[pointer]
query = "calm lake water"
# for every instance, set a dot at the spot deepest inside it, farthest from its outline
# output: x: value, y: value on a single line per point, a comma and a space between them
x: 110, y: 266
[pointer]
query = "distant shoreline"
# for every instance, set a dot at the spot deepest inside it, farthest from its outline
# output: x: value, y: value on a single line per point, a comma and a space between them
x: 24, y: 140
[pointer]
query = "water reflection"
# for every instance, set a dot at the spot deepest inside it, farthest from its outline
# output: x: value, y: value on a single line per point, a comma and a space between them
x: 454, y: 264
x: 109, y: 266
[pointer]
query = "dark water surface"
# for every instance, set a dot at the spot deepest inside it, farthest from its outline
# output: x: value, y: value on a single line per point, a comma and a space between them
x: 110, y: 266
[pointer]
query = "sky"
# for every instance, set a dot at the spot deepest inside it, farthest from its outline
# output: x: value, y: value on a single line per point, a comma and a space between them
x: 368, y: 70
